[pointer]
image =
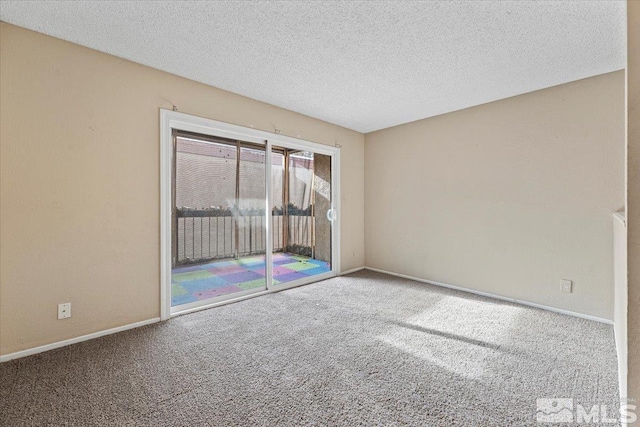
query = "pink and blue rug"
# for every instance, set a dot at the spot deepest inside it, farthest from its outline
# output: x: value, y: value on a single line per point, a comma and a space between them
x: 199, y: 282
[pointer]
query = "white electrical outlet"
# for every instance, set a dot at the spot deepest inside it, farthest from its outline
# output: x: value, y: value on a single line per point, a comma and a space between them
x: 64, y: 310
x: 566, y: 285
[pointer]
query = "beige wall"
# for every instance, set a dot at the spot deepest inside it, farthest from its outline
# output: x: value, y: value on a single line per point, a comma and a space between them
x: 79, y: 183
x: 633, y: 198
x: 507, y: 197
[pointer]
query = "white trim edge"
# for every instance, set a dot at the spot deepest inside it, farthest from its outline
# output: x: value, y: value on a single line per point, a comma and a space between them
x: 620, y: 217
x: 622, y: 367
x: 499, y: 297
x: 620, y: 300
x: 353, y: 270
x: 47, y: 347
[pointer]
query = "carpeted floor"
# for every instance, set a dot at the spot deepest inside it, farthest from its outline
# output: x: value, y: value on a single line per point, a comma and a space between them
x: 364, y: 349
x: 217, y: 278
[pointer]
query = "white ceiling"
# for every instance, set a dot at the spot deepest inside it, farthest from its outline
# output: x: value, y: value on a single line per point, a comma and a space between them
x: 361, y: 65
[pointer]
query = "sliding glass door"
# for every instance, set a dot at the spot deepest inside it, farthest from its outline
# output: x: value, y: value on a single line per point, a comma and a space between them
x: 302, y: 215
x: 219, y: 223
x: 248, y: 215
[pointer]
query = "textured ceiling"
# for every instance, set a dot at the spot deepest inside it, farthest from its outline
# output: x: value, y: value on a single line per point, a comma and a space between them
x: 362, y: 65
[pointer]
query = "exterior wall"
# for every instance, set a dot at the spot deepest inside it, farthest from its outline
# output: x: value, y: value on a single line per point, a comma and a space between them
x: 80, y: 183
x: 506, y: 198
x: 322, y: 171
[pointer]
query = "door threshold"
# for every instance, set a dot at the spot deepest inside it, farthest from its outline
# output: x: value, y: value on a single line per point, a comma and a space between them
x: 206, y: 305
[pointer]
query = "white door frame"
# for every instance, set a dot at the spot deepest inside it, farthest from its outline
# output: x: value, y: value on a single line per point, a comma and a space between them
x: 170, y: 120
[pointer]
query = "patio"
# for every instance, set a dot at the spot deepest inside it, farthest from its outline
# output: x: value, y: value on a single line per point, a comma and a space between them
x: 210, y: 280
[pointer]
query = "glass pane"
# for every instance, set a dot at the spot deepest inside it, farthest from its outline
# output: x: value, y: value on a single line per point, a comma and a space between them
x: 252, y: 240
x: 218, y: 220
x: 323, y: 213
x: 301, y: 183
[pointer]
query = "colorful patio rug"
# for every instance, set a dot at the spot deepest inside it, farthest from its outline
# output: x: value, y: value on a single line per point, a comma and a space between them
x: 204, y: 281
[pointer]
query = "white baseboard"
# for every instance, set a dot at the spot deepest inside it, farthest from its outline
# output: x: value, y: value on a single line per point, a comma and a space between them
x: 70, y: 341
x: 490, y: 295
x: 353, y: 270
x: 47, y: 347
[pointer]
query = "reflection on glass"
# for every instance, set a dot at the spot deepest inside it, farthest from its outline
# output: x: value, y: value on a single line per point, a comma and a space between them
x: 301, y: 183
x: 218, y: 224
x: 219, y: 221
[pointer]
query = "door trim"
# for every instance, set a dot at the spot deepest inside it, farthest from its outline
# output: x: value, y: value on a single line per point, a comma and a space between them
x: 170, y: 120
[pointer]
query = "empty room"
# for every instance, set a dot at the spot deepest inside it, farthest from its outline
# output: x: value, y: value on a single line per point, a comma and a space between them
x: 328, y: 213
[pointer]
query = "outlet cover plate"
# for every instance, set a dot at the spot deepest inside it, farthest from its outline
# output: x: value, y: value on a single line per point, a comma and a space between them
x: 566, y: 285
x: 64, y: 310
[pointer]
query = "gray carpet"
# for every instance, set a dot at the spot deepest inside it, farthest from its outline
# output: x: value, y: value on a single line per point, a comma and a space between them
x: 364, y: 349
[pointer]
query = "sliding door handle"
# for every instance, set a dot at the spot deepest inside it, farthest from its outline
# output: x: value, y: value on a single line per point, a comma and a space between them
x: 331, y: 215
